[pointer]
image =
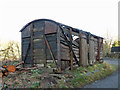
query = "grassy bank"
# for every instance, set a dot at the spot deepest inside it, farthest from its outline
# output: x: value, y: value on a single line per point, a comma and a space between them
x: 83, y: 76
x: 45, y: 78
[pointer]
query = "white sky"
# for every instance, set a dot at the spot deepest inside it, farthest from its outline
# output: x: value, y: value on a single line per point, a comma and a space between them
x: 95, y: 16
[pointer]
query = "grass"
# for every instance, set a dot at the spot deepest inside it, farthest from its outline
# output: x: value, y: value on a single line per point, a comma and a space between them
x: 83, y: 76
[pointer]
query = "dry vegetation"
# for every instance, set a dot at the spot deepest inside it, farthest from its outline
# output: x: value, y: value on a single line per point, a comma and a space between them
x: 10, y: 51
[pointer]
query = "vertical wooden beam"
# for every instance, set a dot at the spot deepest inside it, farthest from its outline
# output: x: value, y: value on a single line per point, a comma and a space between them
x: 31, y: 42
x: 71, y: 55
x: 45, y: 59
x: 101, y: 46
x: 58, y: 48
x: 102, y: 49
x: 80, y: 49
x: 89, y: 52
x: 22, y: 50
x: 98, y: 56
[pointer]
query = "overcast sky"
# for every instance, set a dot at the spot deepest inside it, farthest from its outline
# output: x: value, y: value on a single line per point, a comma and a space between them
x: 95, y: 16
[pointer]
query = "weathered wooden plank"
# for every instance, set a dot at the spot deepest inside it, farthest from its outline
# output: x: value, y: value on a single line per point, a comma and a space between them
x: 38, y: 40
x: 26, y: 32
x: 62, y: 38
x: 63, y: 50
x: 38, y: 51
x: 75, y: 49
x: 53, y: 45
x: 25, y: 39
x: 38, y: 61
x: 51, y: 35
x: 50, y: 27
x: 41, y: 57
x: 38, y: 33
x: 38, y: 37
x: 26, y: 42
x: 48, y: 56
x: 75, y: 43
x: 38, y: 54
x: 38, y: 26
x: 63, y: 42
x: 63, y: 46
x: 52, y: 39
x: 77, y: 55
x: 64, y: 57
x: 76, y: 52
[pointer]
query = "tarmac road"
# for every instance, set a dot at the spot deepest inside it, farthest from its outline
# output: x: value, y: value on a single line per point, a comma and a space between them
x: 109, y: 82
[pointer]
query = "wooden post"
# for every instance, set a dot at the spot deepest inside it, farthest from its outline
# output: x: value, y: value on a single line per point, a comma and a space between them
x: 101, y: 46
x: 71, y: 55
x: 58, y: 48
x: 45, y: 60
x: 80, y: 49
x: 89, y: 52
x: 31, y: 42
x: 98, y: 56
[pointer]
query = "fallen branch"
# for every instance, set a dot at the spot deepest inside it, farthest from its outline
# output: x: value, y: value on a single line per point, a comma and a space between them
x: 28, y: 68
x: 19, y: 64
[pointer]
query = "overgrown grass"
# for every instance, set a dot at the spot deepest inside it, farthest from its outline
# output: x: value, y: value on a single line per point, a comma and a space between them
x: 83, y: 76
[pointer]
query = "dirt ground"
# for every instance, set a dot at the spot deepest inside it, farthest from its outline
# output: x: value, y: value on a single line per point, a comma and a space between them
x: 34, y: 78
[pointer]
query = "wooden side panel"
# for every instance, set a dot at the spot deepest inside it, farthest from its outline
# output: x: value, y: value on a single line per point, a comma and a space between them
x: 38, y: 42
x: 38, y: 46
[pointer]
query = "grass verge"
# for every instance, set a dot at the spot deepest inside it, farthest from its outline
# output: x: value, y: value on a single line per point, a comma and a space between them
x: 82, y: 76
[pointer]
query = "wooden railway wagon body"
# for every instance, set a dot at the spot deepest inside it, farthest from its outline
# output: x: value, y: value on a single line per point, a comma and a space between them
x: 44, y: 40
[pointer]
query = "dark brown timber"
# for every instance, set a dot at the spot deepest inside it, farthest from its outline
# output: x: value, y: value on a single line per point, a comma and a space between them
x: 71, y: 55
x: 31, y: 42
x: 80, y: 48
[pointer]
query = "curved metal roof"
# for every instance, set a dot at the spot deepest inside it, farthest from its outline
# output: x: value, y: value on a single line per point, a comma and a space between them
x: 74, y: 29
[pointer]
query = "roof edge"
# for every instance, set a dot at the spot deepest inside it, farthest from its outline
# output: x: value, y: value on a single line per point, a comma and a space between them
x: 38, y: 20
